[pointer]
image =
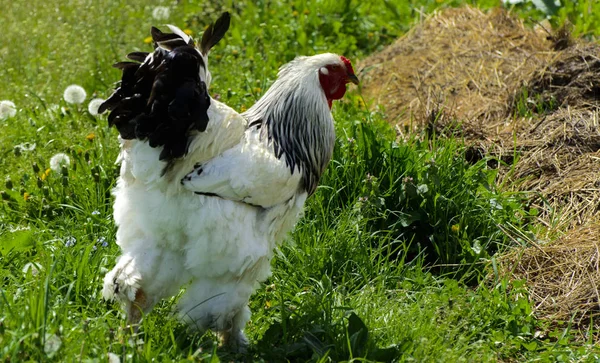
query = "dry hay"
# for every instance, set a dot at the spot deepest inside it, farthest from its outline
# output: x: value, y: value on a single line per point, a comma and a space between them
x: 560, y: 147
x: 514, y: 90
x: 468, y: 61
x: 562, y: 278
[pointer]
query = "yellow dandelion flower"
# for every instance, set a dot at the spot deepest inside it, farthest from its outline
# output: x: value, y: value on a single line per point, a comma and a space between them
x: 267, y: 304
x: 455, y: 228
x: 257, y: 89
x: 90, y: 137
x: 45, y: 174
x: 243, y: 108
x: 26, y: 196
x: 295, y: 13
x: 306, y: 12
x: 148, y: 40
x: 188, y: 31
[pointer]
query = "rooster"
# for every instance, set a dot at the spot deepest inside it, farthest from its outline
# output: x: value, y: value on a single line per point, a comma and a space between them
x: 205, y: 194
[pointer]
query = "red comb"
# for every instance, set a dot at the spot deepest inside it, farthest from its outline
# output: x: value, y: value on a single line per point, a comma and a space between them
x: 347, y: 64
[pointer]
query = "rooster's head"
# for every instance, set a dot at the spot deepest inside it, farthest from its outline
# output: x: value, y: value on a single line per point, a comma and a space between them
x: 334, y: 73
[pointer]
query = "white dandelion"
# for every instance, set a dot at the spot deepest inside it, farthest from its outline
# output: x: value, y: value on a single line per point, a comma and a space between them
x: 94, y: 105
x: 7, y: 109
x: 161, y: 13
x: 58, y: 161
x: 113, y: 358
x: 74, y: 94
x: 52, y: 344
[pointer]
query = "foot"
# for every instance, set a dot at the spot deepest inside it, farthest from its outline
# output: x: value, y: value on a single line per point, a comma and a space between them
x: 234, y: 341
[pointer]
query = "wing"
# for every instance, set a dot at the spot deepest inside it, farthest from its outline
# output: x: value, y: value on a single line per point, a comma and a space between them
x: 249, y: 173
x: 163, y: 96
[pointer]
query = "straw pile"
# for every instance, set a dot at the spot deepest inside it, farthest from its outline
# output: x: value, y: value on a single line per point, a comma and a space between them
x: 462, y: 60
x: 563, y: 277
x: 513, y: 91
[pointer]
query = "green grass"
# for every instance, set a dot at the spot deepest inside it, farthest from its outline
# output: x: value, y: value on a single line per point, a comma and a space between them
x: 387, y: 263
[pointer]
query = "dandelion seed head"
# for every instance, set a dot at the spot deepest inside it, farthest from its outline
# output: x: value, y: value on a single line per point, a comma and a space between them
x: 7, y: 109
x: 58, y: 161
x: 113, y: 358
x: 74, y: 94
x: 94, y: 105
x: 52, y: 344
x: 161, y: 13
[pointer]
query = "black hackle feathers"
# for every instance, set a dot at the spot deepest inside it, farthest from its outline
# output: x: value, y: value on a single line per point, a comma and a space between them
x: 161, y: 97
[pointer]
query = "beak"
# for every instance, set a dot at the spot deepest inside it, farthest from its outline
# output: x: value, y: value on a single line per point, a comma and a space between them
x: 354, y: 79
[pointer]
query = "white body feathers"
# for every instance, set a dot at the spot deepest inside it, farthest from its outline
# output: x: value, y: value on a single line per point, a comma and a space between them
x: 217, y: 248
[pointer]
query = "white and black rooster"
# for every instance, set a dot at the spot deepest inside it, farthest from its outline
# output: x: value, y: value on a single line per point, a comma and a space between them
x: 205, y: 194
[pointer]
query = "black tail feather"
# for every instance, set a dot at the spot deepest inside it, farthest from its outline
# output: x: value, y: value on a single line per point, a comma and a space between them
x: 125, y: 65
x: 214, y: 33
x: 138, y: 56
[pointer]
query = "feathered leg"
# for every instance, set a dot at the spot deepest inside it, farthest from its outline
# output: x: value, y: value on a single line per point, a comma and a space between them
x: 139, y: 282
x: 122, y: 283
x: 220, y: 306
